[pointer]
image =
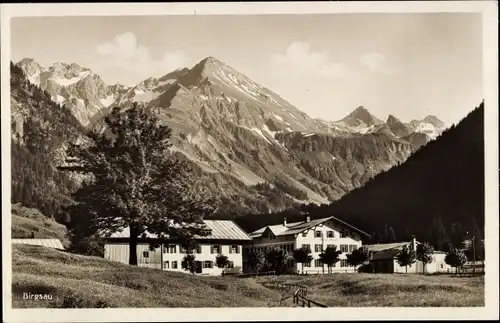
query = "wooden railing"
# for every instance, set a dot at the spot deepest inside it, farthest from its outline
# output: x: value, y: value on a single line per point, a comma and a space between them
x: 299, y: 294
x: 305, y: 302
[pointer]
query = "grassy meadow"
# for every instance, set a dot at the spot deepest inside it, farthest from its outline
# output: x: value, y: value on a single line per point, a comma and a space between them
x: 398, y: 290
x: 92, y: 282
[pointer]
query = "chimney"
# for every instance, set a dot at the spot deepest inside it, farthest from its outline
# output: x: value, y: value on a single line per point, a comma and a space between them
x: 414, y: 243
x: 284, y: 222
x: 308, y: 218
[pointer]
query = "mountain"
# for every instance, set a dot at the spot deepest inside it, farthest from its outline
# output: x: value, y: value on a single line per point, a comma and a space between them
x: 252, y: 148
x: 80, y: 90
x: 360, y: 121
x: 442, y: 180
x: 248, y: 141
x: 430, y: 125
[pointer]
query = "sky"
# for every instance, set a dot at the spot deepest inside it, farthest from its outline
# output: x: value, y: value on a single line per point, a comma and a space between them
x: 407, y: 64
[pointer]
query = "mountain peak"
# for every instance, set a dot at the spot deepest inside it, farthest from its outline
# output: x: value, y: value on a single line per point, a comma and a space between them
x: 361, y: 115
x: 392, y: 119
x: 434, y: 121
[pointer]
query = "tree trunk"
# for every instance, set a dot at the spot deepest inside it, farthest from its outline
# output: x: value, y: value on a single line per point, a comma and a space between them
x: 132, y: 258
x: 406, y: 267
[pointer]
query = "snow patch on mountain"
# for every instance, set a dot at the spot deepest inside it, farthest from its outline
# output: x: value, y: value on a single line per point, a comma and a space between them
x: 142, y: 96
x: 65, y: 81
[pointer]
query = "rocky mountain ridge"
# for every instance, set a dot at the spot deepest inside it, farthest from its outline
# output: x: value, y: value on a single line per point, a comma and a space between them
x: 255, y: 150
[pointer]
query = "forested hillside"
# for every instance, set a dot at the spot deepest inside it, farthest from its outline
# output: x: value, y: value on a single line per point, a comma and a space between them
x: 40, y: 129
x: 436, y: 194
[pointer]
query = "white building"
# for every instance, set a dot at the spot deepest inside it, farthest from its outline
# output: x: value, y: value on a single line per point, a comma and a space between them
x: 316, y: 235
x: 226, y: 238
x: 383, y: 259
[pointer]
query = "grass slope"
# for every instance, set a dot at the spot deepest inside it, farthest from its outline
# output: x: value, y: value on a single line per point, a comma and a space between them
x: 90, y: 282
x: 398, y: 290
x: 28, y: 223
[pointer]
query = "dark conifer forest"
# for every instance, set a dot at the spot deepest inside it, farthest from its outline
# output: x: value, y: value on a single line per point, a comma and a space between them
x: 436, y: 194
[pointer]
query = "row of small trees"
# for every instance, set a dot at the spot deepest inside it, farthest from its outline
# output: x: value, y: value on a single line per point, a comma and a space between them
x: 406, y: 257
x: 275, y: 259
x: 189, y: 262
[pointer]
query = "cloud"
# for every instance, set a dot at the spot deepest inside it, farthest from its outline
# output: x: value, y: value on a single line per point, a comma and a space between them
x: 123, y: 51
x: 301, y: 60
x: 377, y: 63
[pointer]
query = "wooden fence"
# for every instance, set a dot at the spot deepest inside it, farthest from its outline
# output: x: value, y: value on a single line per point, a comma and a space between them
x: 299, y: 293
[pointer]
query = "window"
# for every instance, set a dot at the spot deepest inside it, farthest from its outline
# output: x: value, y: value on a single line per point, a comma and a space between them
x: 234, y: 249
x: 182, y: 249
x: 318, y: 248
x: 317, y: 234
x: 344, y: 248
x: 166, y: 265
x: 307, y: 246
x: 215, y: 249
x: 352, y: 247
x: 207, y: 264
x: 307, y: 264
x: 330, y: 234
x: 198, y: 249
x: 318, y: 263
x: 343, y: 234
x: 145, y: 254
x: 230, y: 264
x: 171, y: 248
x: 174, y: 264
x: 304, y: 234
x: 343, y: 263
x: 330, y: 245
x: 442, y: 266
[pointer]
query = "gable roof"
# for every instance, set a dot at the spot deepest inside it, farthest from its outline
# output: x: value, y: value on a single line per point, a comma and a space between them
x: 219, y: 230
x: 298, y: 227
x: 383, y: 251
x: 50, y: 243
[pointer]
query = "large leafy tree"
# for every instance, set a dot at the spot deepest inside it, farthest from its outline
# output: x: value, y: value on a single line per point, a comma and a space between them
x: 406, y: 257
x: 358, y: 256
x: 134, y: 181
x: 302, y: 255
x: 330, y: 256
x: 424, y: 254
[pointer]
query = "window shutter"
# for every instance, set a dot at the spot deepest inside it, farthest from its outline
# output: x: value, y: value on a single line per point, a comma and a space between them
x: 230, y: 249
x: 237, y: 249
x: 211, y: 249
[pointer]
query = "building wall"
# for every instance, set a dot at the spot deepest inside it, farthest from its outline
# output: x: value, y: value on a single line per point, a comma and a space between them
x: 438, y: 265
x: 168, y: 260
x: 289, y: 243
x: 352, y: 241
